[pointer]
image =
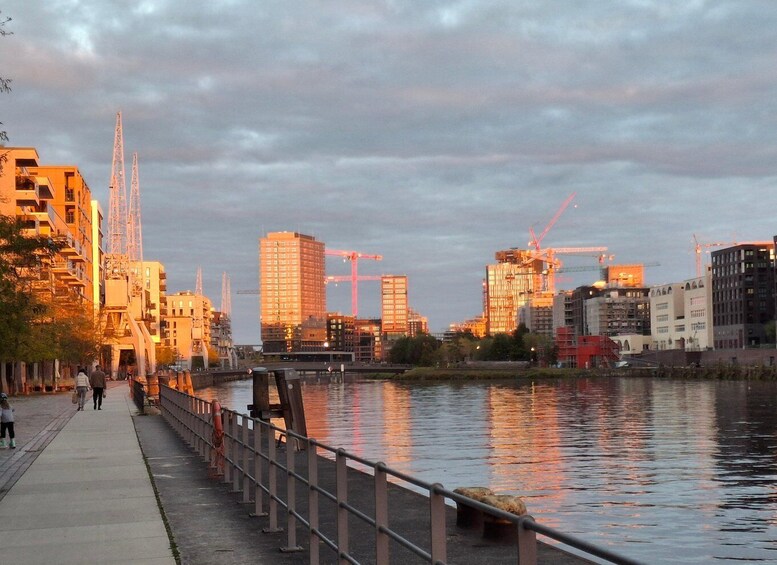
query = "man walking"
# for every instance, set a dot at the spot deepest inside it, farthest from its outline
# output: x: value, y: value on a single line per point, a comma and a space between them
x: 97, y: 382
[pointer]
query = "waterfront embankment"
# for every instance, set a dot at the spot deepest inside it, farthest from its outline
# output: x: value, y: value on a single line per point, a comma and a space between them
x: 209, y: 527
x: 86, y: 497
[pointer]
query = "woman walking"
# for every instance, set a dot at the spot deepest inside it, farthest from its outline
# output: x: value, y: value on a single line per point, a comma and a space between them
x: 82, y: 385
x: 6, y: 421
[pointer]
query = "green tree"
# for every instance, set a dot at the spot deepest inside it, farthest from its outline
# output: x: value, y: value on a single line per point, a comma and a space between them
x: 419, y: 350
x: 22, y: 274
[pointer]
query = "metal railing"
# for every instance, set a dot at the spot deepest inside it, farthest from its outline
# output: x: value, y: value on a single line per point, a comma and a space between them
x: 138, y: 393
x: 249, y: 461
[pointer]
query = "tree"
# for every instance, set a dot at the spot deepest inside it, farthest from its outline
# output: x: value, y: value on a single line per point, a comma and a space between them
x: 165, y: 355
x: 419, y: 350
x: 22, y: 275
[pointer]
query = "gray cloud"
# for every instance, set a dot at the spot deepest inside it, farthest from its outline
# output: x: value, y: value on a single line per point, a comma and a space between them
x: 433, y: 134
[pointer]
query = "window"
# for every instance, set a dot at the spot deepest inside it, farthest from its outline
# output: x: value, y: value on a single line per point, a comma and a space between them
x: 70, y: 215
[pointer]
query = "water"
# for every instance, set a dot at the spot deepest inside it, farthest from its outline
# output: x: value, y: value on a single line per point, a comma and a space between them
x: 659, y: 470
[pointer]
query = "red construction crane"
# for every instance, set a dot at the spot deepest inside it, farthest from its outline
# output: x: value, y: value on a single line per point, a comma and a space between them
x: 546, y: 279
x: 535, y: 241
x: 353, y: 257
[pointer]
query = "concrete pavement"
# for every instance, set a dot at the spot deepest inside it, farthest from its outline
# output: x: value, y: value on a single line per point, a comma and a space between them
x: 87, y: 497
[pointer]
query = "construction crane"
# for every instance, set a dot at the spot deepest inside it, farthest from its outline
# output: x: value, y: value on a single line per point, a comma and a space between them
x: 353, y: 278
x: 699, y: 247
x: 544, y: 279
x: 353, y: 257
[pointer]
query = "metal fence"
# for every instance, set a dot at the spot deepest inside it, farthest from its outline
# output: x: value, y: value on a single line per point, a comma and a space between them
x: 247, y: 458
x: 138, y: 392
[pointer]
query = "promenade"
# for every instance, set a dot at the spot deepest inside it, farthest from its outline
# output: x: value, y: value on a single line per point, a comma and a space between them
x: 86, y: 497
x: 77, y: 490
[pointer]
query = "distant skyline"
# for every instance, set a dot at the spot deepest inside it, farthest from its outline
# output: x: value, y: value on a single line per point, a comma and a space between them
x: 433, y: 134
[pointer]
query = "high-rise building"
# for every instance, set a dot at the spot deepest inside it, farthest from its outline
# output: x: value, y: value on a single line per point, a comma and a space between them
x: 509, y: 285
x: 292, y: 273
x: 393, y: 305
x: 743, y: 286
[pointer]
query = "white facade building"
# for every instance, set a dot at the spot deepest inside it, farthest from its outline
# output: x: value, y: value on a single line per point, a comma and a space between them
x: 681, y: 315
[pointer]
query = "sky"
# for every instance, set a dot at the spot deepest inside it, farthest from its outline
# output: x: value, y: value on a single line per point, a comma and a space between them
x: 432, y: 133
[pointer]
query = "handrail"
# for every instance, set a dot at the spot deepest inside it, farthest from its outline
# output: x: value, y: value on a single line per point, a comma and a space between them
x: 191, y: 418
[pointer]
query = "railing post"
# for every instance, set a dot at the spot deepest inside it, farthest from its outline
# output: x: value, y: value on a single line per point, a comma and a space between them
x: 342, y: 499
x: 437, y: 519
x: 291, y: 498
x: 258, y: 493
x: 381, y: 515
x: 272, y: 479
x: 236, y: 453
x: 527, y: 542
x: 313, y: 502
x: 227, y: 415
x: 246, y: 461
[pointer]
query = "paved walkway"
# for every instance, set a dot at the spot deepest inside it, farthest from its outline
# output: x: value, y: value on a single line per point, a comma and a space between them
x: 87, y: 498
x: 39, y: 418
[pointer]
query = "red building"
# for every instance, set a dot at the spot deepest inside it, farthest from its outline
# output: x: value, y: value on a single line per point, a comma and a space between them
x: 585, y: 351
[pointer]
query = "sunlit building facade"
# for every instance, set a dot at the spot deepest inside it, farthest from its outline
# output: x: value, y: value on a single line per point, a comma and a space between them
x: 54, y: 201
x: 187, y: 322
x: 509, y: 284
x: 393, y: 306
x: 292, y: 273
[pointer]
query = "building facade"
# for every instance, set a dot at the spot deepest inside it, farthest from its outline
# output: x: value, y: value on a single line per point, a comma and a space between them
x: 681, y: 315
x: 743, y: 287
x: 154, y: 280
x: 292, y: 286
x: 187, y: 326
x: 509, y: 284
x: 394, y: 306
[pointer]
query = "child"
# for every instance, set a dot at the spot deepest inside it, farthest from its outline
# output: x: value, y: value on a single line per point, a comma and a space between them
x: 6, y: 421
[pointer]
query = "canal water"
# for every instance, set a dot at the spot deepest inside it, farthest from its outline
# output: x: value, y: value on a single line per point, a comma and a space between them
x: 664, y: 471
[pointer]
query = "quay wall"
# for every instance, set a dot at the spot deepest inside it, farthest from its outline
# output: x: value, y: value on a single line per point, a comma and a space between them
x: 210, y: 378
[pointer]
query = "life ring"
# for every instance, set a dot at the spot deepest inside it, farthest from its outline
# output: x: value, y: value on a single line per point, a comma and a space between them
x: 217, y: 438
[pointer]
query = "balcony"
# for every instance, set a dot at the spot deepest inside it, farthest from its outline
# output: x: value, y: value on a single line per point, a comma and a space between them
x: 66, y: 271
x: 70, y: 247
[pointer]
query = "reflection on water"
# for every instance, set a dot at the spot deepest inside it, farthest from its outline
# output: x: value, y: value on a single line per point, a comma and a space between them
x: 663, y: 471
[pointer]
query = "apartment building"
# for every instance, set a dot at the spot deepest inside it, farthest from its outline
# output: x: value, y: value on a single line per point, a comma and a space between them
x: 154, y: 280
x: 292, y: 286
x: 187, y: 326
x: 743, y: 287
x: 393, y: 306
x: 55, y: 201
x: 681, y: 315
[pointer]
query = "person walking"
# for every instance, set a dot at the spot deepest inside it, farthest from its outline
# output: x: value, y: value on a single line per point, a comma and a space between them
x: 82, y: 385
x: 6, y: 421
x: 97, y: 382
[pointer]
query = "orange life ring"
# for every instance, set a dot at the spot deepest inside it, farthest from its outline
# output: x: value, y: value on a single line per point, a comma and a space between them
x: 218, y: 437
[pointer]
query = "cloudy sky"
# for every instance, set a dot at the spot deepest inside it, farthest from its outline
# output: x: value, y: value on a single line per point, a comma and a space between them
x: 433, y: 133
